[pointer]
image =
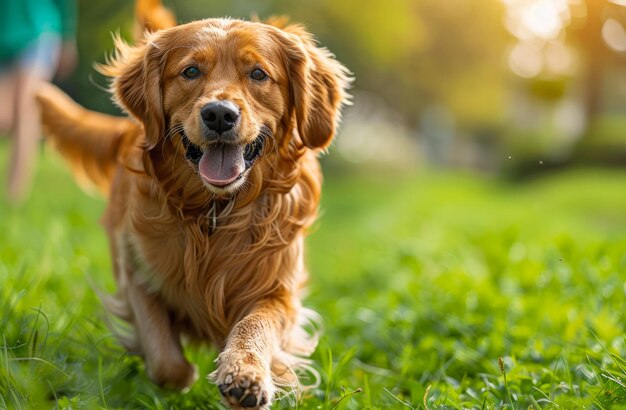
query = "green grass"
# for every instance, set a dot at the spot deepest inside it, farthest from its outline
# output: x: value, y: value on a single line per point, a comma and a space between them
x: 423, y: 281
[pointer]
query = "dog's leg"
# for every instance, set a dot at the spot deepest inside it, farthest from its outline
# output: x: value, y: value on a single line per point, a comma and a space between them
x: 160, y: 344
x: 243, y: 372
x: 153, y: 335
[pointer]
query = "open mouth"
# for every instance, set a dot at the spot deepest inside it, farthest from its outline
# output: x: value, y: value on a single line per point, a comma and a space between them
x: 221, y: 164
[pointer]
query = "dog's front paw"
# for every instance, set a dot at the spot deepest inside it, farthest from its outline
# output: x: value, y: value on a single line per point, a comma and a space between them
x: 244, y: 380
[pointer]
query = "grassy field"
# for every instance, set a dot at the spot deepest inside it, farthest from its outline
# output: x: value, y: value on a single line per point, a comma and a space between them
x: 423, y: 282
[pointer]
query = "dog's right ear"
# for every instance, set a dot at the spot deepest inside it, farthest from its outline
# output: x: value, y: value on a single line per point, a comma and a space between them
x: 136, y: 85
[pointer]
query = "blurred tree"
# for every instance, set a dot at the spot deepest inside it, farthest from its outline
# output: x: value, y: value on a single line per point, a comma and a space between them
x: 582, y: 28
x: 587, y: 38
x: 601, y: 41
x: 419, y: 53
x: 581, y: 99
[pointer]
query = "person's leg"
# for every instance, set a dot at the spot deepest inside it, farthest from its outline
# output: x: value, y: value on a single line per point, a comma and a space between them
x: 8, y: 78
x: 26, y: 134
x: 37, y: 65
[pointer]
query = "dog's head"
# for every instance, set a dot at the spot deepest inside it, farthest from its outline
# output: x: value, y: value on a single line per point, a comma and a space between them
x: 229, y: 90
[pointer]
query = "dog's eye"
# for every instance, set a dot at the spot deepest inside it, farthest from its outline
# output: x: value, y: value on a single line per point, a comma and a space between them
x: 191, y: 72
x: 258, y: 74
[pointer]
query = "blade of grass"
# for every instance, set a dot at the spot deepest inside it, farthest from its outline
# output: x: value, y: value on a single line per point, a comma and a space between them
x: 398, y: 399
x: 506, y: 384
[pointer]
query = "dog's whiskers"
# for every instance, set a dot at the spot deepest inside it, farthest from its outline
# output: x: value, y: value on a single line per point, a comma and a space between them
x: 168, y: 135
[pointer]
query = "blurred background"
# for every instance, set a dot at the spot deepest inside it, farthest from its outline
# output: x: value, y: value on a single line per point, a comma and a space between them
x: 469, y: 214
x: 493, y: 85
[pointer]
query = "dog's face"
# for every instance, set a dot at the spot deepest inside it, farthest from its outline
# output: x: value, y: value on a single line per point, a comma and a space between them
x: 231, y: 91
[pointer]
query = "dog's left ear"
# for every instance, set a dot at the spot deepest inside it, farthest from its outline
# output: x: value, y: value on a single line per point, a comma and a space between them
x: 318, y: 85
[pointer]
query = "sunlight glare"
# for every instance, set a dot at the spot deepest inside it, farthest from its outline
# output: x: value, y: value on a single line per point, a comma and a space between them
x: 559, y: 59
x: 525, y: 59
x: 544, y: 19
x: 614, y: 35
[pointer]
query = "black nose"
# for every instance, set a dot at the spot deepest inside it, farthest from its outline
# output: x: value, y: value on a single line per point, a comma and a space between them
x: 220, y: 116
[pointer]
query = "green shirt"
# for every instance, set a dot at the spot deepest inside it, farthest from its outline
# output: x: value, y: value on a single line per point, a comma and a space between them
x: 22, y: 21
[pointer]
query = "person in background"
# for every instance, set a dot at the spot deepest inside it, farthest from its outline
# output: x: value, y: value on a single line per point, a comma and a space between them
x: 37, y: 41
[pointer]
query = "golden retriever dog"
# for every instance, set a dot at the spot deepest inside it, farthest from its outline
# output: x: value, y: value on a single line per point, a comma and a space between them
x: 211, y: 183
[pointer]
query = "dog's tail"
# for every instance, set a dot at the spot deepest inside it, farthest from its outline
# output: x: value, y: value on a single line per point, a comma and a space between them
x: 151, y: 15
x: 91, y: 142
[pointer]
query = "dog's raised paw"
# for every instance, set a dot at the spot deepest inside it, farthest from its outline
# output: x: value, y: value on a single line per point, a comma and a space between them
x: 244, y: 393
x: 244, y: 385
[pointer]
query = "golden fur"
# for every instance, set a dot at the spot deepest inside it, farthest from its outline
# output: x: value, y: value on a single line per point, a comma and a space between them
x: 219, y: 264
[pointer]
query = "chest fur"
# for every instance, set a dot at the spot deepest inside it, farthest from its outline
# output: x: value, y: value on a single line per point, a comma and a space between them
x: 210, y: 278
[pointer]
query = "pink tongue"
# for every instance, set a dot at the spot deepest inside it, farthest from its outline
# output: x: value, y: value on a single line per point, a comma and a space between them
x: 221, y: 164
